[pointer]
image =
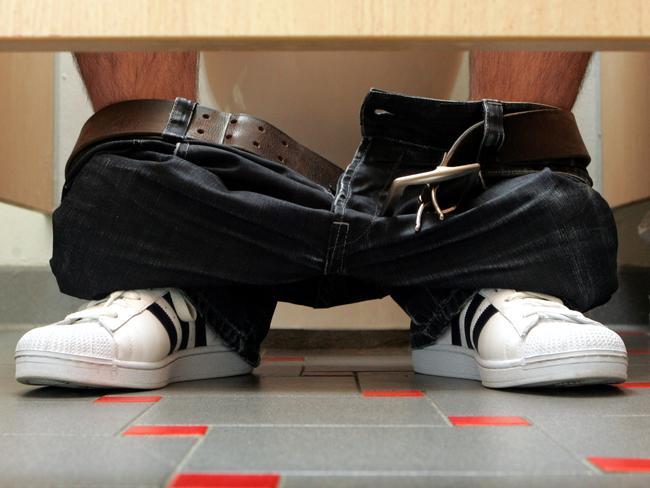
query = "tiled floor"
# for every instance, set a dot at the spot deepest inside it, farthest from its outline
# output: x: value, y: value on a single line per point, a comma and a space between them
x: 328, y: 419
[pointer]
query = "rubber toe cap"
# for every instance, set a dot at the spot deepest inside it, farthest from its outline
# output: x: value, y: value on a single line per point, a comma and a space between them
x: 554, y: 338
x: 88, y: 340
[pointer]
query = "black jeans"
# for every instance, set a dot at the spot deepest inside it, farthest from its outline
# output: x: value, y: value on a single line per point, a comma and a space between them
x: 238, y: 232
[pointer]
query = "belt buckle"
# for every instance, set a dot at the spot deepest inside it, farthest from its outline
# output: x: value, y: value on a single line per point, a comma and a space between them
x: 431, y: 180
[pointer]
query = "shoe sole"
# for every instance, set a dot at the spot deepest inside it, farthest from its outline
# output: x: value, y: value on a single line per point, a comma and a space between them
x: 52, y: 369
x: 576, y: 369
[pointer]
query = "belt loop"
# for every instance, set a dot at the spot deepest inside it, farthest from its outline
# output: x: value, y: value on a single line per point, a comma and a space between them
x: 179, y: 119
x: 493, y: 133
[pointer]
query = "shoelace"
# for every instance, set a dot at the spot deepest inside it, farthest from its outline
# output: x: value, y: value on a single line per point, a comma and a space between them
x: 531, y: 308
x: 99, y: 310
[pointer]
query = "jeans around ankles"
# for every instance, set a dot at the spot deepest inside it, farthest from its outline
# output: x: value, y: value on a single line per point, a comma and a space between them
x: 238, y: 232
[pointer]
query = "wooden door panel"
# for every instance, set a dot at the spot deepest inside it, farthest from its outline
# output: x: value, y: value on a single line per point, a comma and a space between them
x: 26, y: 138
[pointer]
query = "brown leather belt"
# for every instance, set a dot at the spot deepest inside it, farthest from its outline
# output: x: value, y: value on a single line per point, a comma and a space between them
x: 534, y: 139
x: 147, y: 118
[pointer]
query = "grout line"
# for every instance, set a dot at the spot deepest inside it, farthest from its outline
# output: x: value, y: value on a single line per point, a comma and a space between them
x: 582, y: 460
x: 330, y: 426
x: 437, y: 409
x: 357, y: 381
x: 134, y: 419
x: 261, y: 394
x: 414, y: 473
x: 179, y: 467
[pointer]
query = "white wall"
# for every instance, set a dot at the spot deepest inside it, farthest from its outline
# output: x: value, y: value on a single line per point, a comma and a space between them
x: 26, y: 237
x: 587, y: 113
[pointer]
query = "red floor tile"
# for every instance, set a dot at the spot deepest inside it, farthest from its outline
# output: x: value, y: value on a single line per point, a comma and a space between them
x: 490, y: 420
x: 392, y: 393
x: 128, y: 399
x: 283, y: 359
x: 166, y: 430
x: 226, y: 480
x: 621, y: 465
x: 632, y: 384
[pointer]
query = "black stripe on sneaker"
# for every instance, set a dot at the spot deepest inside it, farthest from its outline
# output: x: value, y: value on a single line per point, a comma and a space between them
x: 199, y: 338
x: 455, y: 331
x: 185, y: 334
x: 167, y: 323
x: 185, y: 326
x: 469, y: 316
x: 480, y: 323
x: 168, y: 298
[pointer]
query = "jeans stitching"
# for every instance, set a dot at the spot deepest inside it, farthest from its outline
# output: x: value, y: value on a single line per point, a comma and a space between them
x: 348, y: 190
x: 331, y: 250
x: 345, y: 240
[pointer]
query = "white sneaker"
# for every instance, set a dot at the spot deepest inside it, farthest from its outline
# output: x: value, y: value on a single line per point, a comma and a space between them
x: 131, y: 339
x: 508, y: 338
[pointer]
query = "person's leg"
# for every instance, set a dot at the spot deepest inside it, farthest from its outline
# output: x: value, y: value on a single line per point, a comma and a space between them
x: 145, y: 337
x: 115, y: 77
x: 551, y: 78
x: 495, y: 329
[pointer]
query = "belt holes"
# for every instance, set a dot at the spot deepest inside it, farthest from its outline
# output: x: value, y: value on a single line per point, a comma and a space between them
x: 281, y: 159
x: 200, y: 131
x: 206, y: 116
x: 256, y: 144
x: 228, y: 136
x: 233, y: 121
x: 285, y: 143
x: 260, y: 128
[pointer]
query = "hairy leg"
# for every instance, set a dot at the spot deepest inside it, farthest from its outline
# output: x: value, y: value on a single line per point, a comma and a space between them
x: 118, y: 76
x: 552, y: 78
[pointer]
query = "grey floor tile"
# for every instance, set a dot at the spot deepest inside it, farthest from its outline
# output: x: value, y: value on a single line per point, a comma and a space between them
x: 328, y: 373
x: 615, y: 436
x: 314, y: 450
x: 45, y: 393
x: 293, y: 410
x: 8, y: 341
x: 81, y: 418
x: 377, y: 362
x: 469, y: 481
x: 259, y: 385
x: 314, y: 427
x: 640, y: 359
x: 411, y: 381
x: 439, y: 383
x: 266, y: 352
x: 47, y: 461
x: 272, y: 369
x: 7, y: 371
x: 10, y: 389
x: 387, y: 380
x: 638, y: 372
x: 635, y: 329
x: 586, y: 401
